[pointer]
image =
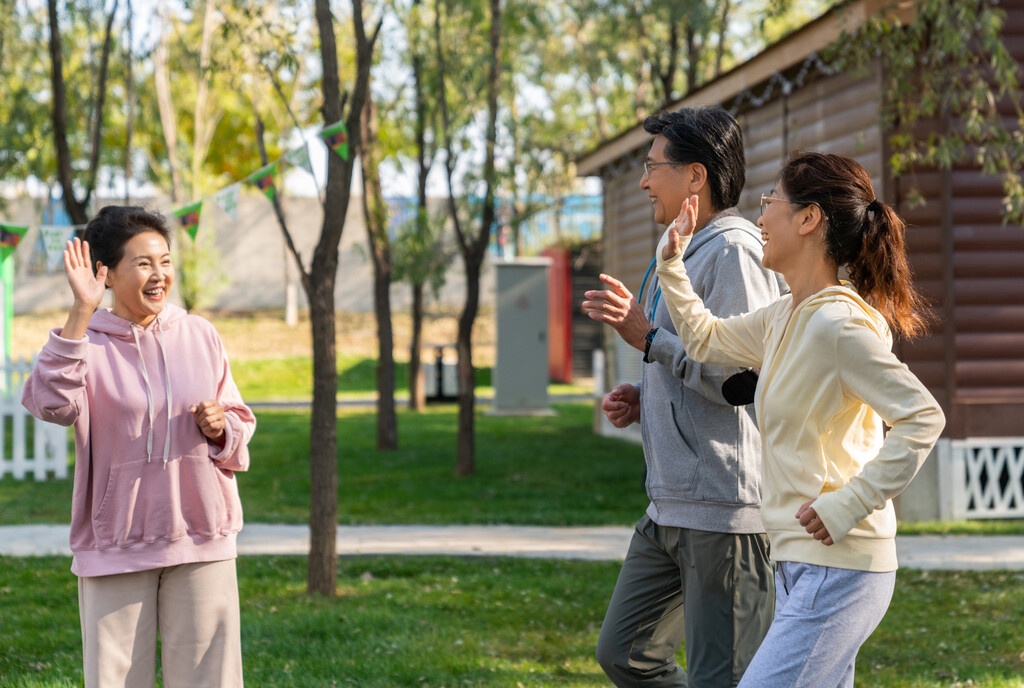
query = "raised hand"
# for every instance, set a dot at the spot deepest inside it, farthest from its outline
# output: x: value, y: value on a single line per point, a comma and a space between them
x: 682, y: 226
x: 86, y: 287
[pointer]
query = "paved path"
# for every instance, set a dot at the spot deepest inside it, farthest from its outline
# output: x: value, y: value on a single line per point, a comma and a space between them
x: 603, y: 543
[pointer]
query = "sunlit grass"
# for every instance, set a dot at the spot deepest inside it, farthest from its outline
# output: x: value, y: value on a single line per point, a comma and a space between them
x: 495, y: 622
x: 547, y: 470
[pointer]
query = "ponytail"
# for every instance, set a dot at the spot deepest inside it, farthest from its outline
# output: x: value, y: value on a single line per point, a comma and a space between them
x: 882, y: 274
x: 860, y: 232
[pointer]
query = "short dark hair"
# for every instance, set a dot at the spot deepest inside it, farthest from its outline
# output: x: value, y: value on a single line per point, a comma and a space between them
x: 116, y: 225
x: 712, y: 137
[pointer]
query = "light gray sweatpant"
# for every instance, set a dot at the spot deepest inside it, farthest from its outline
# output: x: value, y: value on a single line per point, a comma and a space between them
x: 822, y: 617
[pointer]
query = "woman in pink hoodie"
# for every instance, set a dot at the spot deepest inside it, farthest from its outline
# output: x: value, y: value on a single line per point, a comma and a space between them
x: 160, y: 430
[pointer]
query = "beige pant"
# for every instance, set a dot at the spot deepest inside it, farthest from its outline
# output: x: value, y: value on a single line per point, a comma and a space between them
x: 195, y: 607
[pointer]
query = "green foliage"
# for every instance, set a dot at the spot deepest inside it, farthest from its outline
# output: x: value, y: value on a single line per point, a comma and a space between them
x: 494, y: 622
x: 952, y: 92
x: 420, y: 254
x: 25, y: 137
x: 200, y: 276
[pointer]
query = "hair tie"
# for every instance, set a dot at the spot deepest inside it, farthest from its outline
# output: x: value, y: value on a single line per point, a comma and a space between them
x: 874, y: 206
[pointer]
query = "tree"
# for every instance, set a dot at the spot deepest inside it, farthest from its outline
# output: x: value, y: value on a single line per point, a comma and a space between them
x: 948, y: 67
x: 422, y: 261
x: 472, y: 242
x: 375, y: 213
x: 77, y: 208
x: 26, y: 73
x: 318, y: 283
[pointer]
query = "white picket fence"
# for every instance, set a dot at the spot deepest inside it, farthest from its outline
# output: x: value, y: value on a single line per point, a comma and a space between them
x: 983, y: 478
x: 42, y: 455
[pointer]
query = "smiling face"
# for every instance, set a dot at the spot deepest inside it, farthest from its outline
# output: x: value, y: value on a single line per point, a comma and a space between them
x: 779, y: 229
x: 664, y: 185
x: 142, y: 279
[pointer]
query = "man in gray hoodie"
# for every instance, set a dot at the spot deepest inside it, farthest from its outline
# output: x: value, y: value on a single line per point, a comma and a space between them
x: 698, y: 565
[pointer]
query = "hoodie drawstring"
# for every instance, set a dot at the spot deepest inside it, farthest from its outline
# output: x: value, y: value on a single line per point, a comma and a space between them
x: 149, y: 393
x: 167, y: 386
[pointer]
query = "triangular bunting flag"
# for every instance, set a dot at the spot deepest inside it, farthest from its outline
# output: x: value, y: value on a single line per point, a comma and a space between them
x: 299, y: 157
x: 336, y: 137
x: 227, y: 200
x: 263, y: 178
x: 10, y: 237
x: 188, y: 218
x: 55, y: 239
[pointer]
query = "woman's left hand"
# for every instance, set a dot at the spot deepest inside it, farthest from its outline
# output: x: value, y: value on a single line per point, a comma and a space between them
x: 209, y: 416
x: 811, y: 522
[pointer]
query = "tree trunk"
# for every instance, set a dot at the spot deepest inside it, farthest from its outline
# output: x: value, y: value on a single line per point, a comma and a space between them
x: 323, y: 439
x: 724, y: 23
x: 129, y: 125
x: 75, y: 208
x: 466, y: 455
x: 319, y: 286
x: 417, y: 395
x: 375, y: 214
x: 201, y: 121
x: 473, y: 253
x: 168, y: 120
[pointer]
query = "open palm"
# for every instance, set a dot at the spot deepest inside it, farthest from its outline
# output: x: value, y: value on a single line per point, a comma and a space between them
x: 86, y: 287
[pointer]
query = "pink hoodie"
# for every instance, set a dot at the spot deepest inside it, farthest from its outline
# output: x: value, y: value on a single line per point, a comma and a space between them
x: 150, y: 490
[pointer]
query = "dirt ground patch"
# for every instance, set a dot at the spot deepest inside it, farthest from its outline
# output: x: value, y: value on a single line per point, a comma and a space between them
x: 264, y: 334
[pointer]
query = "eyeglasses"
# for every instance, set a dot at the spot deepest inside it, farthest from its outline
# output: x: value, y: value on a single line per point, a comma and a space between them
x: 649, y: 165
x: 766, y: 199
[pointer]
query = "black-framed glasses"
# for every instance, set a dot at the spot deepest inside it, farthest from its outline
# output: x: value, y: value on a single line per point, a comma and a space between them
x: 649, y: 165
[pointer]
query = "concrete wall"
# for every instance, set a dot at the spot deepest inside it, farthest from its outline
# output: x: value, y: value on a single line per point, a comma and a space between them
x: 252, y: 257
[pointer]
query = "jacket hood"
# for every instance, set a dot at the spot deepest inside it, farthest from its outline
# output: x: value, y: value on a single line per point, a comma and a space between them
x: 106, y: 322
x: 727, y: 220
x: 845, y: 293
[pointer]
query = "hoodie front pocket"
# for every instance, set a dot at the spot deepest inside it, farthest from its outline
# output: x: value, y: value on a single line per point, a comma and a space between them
x: 146, y: 502
x: 687, y: 459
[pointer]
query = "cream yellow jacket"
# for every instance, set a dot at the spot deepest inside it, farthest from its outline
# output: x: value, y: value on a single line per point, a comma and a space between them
x: 828, y: 381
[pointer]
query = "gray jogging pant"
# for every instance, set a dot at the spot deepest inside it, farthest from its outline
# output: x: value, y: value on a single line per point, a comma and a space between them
x: 723, y: 581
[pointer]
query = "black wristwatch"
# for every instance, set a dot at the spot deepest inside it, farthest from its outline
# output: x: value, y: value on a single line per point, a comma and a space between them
x: 647, y: 343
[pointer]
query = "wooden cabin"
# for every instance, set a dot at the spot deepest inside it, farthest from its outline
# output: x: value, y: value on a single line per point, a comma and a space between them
x: 966, y: 261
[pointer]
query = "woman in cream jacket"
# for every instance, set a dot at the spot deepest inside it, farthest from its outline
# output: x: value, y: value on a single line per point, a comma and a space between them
x: 828, y: 382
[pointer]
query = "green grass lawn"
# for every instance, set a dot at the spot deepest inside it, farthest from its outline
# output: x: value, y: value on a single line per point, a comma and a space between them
x: 544, y: 470
x: 494, y: 622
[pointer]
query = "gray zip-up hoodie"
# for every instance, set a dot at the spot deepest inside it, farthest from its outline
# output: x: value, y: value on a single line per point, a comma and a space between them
x: 703, y: 454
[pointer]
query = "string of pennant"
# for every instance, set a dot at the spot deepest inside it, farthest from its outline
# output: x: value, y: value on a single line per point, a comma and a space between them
x: 55, y: 237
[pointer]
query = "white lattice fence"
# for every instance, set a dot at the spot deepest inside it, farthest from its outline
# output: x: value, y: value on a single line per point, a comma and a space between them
x: 28, y: 446
x: 984, y: 478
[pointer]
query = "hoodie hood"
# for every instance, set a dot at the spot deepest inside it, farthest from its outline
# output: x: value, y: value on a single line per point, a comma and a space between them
x: 728, y: 220
x: 845, y: 293
x: 105, y: 321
